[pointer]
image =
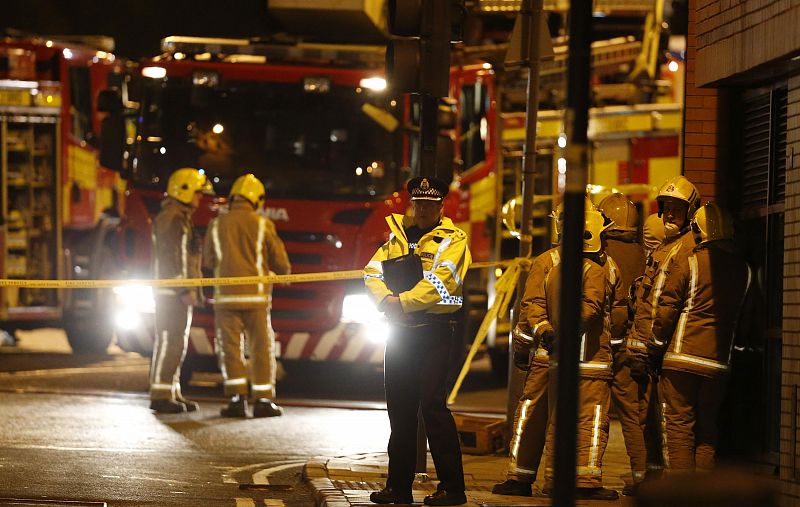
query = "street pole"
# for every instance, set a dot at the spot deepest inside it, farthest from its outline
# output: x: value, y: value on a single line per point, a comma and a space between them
x: 530, y: 18
x: 576, y: 120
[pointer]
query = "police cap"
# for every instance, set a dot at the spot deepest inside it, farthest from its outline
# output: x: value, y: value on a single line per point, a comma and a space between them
x: 423, y: 188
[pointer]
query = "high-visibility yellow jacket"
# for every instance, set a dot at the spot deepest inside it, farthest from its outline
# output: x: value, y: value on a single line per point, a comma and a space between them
x: 445, y: 261
x: 176, y: 252
x: 243, y: 243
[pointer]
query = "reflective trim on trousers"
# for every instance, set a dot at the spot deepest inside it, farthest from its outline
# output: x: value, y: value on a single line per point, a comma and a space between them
x: 235, y: 381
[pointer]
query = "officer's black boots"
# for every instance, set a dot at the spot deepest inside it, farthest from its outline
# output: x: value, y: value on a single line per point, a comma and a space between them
x: 167, y: 406
x: 444, y: 497
x: 389, y: 495
x: 264, y: 407
x: 236, y: 408
x: 513, y: 487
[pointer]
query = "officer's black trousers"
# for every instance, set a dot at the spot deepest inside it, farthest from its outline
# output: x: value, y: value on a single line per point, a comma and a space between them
x: 415, y: 375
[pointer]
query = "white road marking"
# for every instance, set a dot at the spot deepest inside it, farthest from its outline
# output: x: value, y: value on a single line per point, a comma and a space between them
x: 245, y: 502
x: 262, y: 476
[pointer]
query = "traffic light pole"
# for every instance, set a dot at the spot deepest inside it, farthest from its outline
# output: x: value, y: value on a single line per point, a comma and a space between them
x: 530, y: 17
x: 576, y: 120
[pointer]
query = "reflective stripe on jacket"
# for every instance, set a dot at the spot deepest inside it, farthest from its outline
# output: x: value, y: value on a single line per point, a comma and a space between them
x: 176, y: 254
x: 597, y: 299
x: 243, y: 243
x: 651, y: 285
x: 699, y: 308
x: 445, y: 261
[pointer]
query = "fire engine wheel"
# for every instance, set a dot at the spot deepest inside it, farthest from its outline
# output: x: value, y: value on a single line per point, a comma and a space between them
x: 89, y: 334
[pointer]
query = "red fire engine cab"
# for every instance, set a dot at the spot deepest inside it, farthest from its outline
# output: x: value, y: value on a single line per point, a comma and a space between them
x: 56, y: 193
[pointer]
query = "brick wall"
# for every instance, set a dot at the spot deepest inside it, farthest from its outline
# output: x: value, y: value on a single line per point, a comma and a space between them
x: 700, y: 128
x: 734, y: 36
x: 790, y: 378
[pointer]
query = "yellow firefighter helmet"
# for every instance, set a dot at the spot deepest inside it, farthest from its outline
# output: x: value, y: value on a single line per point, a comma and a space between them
x: 621, y: 210
x: 558, y: 219
x: 711, y: 223
x: 653, y: 232
x: 184, y: 182
x: 596, y: 223
x: 249, y: 187
x: 681, y: 189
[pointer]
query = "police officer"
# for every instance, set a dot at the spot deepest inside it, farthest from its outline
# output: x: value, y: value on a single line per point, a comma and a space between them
x: 693, y: 333
x: 624, y: 248
x: 678, y: 200
x: 415, y: 365
x: 530, y: 418
x: 241, y: 242
x: 597, y: 310
x: 176, y: 255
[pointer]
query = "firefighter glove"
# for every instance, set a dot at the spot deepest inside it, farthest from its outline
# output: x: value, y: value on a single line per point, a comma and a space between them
x: 548, y: 340
x: 638, y: 368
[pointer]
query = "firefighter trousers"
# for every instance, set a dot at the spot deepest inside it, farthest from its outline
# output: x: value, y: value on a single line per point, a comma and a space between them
x: 248, y: 329
x: 691, y: 406
x: 172, y: 322
x: 594, y: 400
x: 630, y: 402
x: 415, y: 377
x: 530, y: 425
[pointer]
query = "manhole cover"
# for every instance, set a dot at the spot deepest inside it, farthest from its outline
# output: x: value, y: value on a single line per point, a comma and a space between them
x: 25, y: 502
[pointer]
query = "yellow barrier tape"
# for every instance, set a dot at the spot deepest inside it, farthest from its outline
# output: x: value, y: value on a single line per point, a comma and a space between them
x: 201, y: 282
x: 504, y: 289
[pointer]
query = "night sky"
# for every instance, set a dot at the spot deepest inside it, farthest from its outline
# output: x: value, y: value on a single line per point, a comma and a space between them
x: 138, y: 26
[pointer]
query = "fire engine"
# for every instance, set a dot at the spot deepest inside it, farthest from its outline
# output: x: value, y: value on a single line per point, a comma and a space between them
x: 54, y: 96
x: 334, y: 146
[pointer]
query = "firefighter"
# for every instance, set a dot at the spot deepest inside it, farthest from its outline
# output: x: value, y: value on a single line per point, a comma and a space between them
x: 678, y: 200
x: 417, y: 352
x: 530, y: 418
x: 693, y: 335
x: 597, y: 311
x: 242, y: 242
x: 176, y: 254
x: 624, y: 248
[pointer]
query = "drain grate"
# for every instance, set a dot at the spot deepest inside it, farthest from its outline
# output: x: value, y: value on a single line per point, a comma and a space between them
x: 36, y: 502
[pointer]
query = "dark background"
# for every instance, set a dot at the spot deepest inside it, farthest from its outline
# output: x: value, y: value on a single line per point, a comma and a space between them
x: 138, y: 26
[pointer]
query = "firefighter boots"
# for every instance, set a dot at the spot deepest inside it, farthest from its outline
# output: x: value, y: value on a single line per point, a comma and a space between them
x: 264, y: 407
x: 513, y: 487
x: 444, y: 497
x: 236, y: 408
x: 596, y: 494
x: 167, y: 406
x: 388, y: 495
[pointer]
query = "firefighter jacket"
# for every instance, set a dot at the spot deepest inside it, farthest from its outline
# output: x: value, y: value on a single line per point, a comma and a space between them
x: 650, y: 286
x: 244, y: 243
x: 699, y: 308
x: 596, y: 313
x: 445, y: 261
x: 629, y: 258
x: 176, y: 249
x: 533, y: 308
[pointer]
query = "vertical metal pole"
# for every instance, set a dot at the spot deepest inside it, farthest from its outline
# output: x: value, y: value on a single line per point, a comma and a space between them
x: 531, y: 14
x: 576, y: 121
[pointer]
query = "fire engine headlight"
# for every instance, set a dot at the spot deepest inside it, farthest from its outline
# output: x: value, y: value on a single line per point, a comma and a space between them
x: 154, y: 72
x: 359, y: 309
x: 376, y: 84
x: 136, y: 299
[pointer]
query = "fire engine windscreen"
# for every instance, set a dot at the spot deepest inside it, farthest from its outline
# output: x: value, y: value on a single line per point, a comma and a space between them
x: 330, y: 145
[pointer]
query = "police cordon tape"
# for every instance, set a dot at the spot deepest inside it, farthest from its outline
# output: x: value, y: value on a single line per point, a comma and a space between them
x: 504, y: 290
x: 205, y: 282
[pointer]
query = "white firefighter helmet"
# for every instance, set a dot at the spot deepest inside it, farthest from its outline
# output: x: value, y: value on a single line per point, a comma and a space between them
x: 711, y: 223
x: 184, y: 182
x: 681, y: 189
